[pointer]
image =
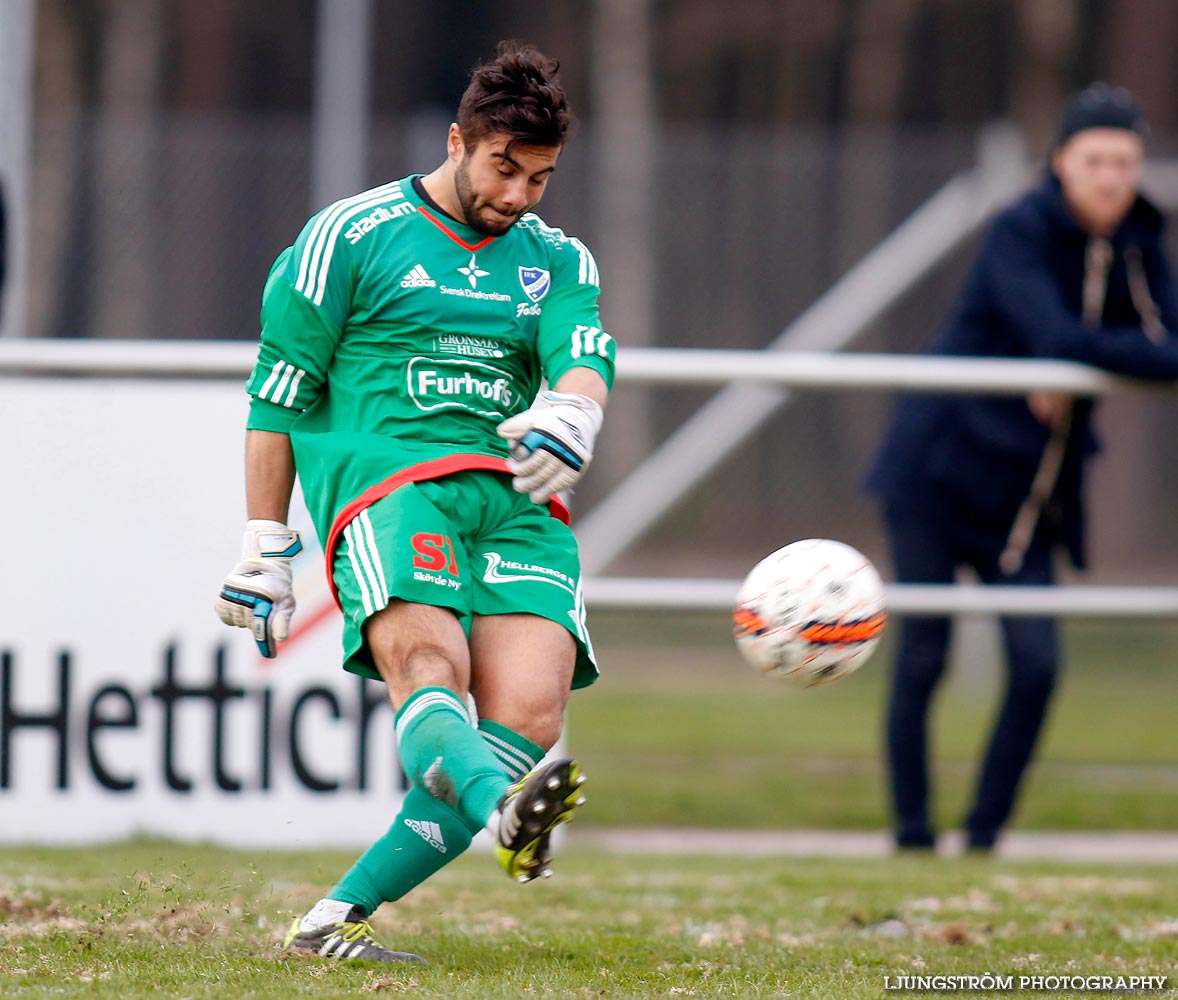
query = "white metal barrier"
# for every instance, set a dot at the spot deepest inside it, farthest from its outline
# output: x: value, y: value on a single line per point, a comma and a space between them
x: 671, y: 594
x: 649, y: 365
x: 796, y: 369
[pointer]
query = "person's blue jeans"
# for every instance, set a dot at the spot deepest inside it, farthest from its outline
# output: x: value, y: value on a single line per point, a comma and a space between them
x: 929, y: 550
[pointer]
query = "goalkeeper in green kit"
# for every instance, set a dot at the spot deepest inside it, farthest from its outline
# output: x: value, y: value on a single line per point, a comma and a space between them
x: 406, y: 337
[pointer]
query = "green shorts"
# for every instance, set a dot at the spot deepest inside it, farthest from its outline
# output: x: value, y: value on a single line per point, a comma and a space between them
x: 468, y: 542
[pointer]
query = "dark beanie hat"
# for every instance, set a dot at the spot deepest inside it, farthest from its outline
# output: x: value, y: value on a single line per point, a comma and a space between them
x: 1101, y: 106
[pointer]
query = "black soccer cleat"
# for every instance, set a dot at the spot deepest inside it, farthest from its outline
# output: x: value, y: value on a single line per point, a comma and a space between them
x: 349, y: 939
x: 530, y: 810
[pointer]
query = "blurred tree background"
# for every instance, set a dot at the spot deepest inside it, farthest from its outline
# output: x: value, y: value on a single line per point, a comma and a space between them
x: 733, y: 160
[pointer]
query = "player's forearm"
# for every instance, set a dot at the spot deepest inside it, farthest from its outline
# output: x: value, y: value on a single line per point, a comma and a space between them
x: 269, y: 475
x: 586, y: 382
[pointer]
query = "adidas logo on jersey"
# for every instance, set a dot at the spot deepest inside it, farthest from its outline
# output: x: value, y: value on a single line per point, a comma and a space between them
x: 418, y: 278
x: 428, y: 831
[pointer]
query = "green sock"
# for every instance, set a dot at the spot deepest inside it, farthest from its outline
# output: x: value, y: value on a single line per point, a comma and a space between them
x: 516, y: 753
x: 444, y: 754
x: 426, y: 836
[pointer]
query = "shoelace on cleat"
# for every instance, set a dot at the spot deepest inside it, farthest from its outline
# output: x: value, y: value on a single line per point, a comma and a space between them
x: 358, y: 930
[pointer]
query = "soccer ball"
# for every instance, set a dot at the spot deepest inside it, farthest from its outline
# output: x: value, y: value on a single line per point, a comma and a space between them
x: 811, y: 612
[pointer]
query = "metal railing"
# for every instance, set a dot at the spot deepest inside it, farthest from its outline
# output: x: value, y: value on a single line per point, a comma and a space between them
x: 640, y: 365
x: 798, y: 370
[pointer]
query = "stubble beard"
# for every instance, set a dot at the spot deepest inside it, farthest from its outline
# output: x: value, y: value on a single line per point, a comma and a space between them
x: 468, y: 202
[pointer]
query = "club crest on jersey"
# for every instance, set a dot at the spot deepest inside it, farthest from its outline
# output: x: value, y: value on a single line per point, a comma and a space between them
x: 535, y: 282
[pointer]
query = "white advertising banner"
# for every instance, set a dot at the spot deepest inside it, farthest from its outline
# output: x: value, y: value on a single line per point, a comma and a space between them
x: 126, y: 707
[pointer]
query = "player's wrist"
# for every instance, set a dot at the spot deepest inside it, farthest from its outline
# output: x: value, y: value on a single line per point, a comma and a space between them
x: 587, y: 415
x: 267, y: 540
x: 554, y: 398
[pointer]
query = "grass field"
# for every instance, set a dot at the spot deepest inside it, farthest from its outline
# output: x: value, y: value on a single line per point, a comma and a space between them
x: 151, y: 919
x: 680, y: 732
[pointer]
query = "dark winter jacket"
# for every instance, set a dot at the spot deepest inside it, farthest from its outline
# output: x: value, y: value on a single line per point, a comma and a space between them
x: 975, y: 456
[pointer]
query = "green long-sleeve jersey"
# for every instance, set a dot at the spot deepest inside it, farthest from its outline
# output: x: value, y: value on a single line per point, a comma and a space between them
x: 393, y: 335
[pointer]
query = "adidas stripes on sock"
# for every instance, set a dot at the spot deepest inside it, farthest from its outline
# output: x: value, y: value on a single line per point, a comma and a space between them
x: 516, y: 753
x: 427, y: 834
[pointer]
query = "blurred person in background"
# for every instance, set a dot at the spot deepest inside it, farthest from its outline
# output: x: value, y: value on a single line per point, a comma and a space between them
x: 1075, y: 269
x: 404, y: 339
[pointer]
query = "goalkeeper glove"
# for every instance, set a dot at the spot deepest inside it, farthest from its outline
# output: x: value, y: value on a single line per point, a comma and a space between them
x: 551, y: 443
x: 257, y: 594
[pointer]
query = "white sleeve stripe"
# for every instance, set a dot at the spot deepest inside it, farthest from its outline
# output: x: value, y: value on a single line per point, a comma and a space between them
x: 294, y: 388
x: 365, y: 599
x: 276, y: 396
x: 318, y: 243
x: 278, y: 366
x: 329, y: 249
x: 587, y: 273
x: 312, y: 239
x: 589, y: 340
x: 314, y: 245
x: 311, y: 250
x: 315, y: 283
x: 319, y: 232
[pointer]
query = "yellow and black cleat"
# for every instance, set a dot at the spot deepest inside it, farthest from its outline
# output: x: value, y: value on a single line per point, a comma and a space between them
x: 530, y: 810
x: 349, y: 939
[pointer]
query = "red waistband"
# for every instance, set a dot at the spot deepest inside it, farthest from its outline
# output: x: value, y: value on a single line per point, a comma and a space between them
x: 433, y: 469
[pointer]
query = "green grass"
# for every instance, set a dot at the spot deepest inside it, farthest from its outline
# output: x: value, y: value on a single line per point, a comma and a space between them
x: 678, y: 732
x: 733, y: 749
x: 152, y: 919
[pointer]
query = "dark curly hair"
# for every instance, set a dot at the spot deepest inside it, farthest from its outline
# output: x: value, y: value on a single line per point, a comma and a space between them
x: 518, y: 95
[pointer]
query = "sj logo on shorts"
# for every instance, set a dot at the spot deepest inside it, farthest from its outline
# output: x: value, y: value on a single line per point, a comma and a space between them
x: 433, y: 554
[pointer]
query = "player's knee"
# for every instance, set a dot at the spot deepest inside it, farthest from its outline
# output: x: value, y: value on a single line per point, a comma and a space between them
x: 417, y: 646
x: 408, y: 668
x: 546, y: 730
x: 429, y: 665
x: 542, y: 724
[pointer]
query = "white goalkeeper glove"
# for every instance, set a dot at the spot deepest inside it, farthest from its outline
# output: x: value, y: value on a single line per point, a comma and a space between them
x: 257, y: 594
x: 551, y: 443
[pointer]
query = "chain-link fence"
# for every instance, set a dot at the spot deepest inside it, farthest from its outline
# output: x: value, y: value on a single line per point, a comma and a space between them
x: 165, y: 228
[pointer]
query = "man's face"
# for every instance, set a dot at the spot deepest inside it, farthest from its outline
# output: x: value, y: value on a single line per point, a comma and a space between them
x: 1099, y: 169
x: 495, y: 187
